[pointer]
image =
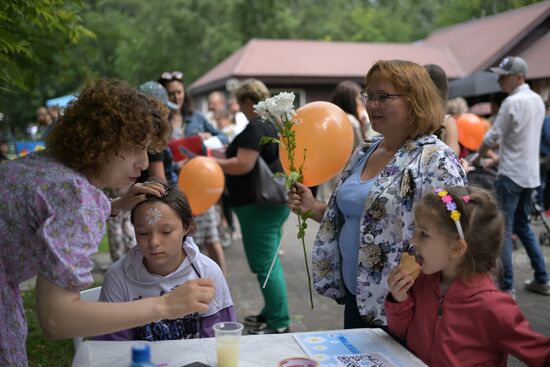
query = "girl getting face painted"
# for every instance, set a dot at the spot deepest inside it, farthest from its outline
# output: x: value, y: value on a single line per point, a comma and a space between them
x: 161, y: 226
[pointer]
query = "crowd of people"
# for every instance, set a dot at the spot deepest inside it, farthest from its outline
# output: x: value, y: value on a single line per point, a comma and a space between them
x: 107, y: 166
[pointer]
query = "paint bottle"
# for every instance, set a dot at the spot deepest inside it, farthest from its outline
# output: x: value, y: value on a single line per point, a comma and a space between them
x: 141, y: 356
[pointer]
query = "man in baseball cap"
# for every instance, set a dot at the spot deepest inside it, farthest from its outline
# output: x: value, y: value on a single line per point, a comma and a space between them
x: 511, y: 65
x: 512, y: 72
x: 516, y: 131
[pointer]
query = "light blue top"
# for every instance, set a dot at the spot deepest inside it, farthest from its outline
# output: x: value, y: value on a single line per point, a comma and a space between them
x: 350, y: 199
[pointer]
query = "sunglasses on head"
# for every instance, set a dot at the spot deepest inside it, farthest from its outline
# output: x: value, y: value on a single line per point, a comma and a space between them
x: 172, y: 75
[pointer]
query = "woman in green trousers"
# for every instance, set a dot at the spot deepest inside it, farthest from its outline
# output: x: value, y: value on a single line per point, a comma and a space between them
x: 261, y: 226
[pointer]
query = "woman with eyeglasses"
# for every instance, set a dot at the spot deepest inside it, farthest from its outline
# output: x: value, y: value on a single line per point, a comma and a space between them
x: 368, y: 221
x: 53, y: 214
x: 187, y: 122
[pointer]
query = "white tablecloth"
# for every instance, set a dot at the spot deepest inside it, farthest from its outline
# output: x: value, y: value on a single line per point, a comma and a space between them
x: 264, y: 350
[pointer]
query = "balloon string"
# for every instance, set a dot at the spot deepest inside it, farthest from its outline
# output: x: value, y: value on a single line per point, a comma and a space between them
x: 272, y: 264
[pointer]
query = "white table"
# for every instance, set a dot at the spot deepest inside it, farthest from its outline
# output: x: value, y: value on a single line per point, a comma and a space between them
x: 264, y: 350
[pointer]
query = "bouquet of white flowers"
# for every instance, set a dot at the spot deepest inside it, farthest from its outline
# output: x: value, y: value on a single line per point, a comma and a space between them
x: 279, y: 109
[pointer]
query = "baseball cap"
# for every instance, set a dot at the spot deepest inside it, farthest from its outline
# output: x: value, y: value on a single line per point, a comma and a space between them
x: 511, y: 65
x: 156, y: 90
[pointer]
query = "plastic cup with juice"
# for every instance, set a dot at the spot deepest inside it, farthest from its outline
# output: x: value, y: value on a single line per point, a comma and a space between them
x: 228, y: 343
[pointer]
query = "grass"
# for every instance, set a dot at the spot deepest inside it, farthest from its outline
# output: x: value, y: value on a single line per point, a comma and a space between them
x: 104, y: 245
x: 42, y: 352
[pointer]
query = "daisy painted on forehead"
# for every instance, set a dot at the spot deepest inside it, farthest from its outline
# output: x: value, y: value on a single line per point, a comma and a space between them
x: 153, y: 216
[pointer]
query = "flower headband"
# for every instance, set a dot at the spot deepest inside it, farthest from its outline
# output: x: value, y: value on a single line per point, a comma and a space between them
x: 450, y: 204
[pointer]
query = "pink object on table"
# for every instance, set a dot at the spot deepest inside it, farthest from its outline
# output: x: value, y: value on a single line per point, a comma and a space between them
x: 298, y: 362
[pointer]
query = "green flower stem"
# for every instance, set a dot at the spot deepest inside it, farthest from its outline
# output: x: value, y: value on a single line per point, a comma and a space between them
x: 287, y: 137
x: 302, y: 226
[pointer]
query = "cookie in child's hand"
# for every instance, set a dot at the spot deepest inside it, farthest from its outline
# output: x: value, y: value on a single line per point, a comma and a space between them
x: 408, y: 262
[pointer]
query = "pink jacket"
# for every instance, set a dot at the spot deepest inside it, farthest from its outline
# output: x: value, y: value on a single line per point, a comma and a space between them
x: 474, y: 324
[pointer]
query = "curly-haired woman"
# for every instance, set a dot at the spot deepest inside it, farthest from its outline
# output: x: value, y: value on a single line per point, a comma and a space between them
x: 53, y: 213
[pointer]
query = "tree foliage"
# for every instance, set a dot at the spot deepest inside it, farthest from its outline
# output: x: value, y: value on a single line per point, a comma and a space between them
x: 31, y: 31
x: 53, y: 46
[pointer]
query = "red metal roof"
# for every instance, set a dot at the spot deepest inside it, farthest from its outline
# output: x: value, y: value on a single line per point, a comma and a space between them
x: 460, y: 50
x: 299, y: 58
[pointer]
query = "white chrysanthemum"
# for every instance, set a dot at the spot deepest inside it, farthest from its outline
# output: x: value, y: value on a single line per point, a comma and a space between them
x: 285, y: 104
x: 261, y: 110
x: 281, y: 106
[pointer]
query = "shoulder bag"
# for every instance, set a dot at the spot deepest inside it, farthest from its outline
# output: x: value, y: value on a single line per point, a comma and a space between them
x: 267, y: 190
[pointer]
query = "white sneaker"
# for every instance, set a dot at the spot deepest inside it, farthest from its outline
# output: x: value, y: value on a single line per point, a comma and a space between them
x: 533, y: 286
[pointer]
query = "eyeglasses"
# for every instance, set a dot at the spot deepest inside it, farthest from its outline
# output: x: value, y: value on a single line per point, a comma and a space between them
x: 172, y: 75
x: 378, y: 98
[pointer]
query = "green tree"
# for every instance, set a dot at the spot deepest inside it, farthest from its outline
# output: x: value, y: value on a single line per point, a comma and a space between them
x: 31, y: 30
x: 138, y: 39
x: 456, y: 11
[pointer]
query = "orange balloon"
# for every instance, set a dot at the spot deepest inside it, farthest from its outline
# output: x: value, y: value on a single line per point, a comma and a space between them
x: 471, y: 130
x: 202, y: 180
x: 324, y: 131
x: 487, y: 124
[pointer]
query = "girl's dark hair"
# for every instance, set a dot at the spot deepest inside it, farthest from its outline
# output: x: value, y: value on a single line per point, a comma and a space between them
x: 176, y: 200
x: 481, y: 220
x: 187, y: 106
x: 345, y: 96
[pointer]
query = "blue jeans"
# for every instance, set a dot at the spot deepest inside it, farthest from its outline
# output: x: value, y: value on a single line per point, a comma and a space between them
x: 515, y: 202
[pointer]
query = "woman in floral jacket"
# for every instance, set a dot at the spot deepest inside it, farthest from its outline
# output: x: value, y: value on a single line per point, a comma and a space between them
x: 368, y: 221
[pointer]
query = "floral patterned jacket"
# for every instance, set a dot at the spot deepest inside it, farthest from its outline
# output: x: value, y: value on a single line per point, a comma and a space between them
x: 387, y: 224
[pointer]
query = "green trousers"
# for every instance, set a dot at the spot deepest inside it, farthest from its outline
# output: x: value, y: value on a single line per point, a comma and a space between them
x: 262, y: 231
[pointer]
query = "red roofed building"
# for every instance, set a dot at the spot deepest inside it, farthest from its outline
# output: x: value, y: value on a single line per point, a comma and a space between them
x: 313, y: 68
